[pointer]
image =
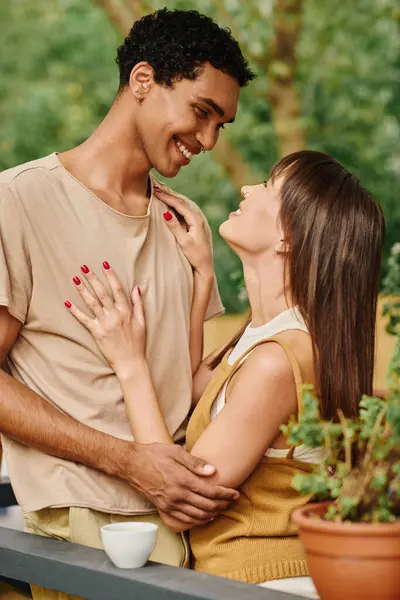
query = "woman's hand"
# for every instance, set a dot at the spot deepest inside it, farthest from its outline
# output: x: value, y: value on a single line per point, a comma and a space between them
x: 194, y: 242
x: 118, y: 324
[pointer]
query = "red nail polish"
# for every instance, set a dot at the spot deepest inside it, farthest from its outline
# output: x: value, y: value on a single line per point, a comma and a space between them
x: 85, y: 269
x: 167, y: 215
x: 76, y: 280
x: 139, y: 290
x: 106, y: 266
x: 68, y: 304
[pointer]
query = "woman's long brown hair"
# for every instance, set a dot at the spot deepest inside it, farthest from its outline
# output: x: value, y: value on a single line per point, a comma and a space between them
x: 335, y: 231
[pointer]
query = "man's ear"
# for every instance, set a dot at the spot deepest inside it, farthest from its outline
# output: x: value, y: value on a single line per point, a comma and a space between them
x: 141, y: 80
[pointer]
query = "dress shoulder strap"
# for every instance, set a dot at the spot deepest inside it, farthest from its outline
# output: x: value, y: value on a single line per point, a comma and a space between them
x: 292, y: 357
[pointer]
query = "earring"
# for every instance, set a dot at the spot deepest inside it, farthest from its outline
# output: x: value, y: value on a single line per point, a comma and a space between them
x: 278, y: 249
x: 138, y: 95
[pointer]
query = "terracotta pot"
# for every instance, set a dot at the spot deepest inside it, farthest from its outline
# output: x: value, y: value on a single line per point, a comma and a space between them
x: 350, y: 561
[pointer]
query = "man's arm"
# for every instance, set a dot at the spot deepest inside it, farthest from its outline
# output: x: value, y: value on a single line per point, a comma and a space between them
x: 168, y: 476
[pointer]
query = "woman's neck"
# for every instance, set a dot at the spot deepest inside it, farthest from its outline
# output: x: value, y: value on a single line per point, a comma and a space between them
x: 265, y: 289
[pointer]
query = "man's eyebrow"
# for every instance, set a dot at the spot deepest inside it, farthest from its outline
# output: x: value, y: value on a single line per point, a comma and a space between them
x: 215, y: 107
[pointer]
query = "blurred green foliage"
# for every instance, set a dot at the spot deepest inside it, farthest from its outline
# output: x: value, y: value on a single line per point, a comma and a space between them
x: 391, y: 310
x: 58, y: 77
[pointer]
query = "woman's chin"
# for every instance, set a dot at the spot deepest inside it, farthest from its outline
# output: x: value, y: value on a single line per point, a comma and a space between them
x: 227, y: 234
x: 225, y: 230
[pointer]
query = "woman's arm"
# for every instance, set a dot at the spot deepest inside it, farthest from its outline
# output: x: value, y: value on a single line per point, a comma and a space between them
x: 195, y: 244
x: 148, y: 425
x: 261, y: 396
x: 203, y: 376
x: 144, y: 414
x: 202, y: 287
x: 120, y: 331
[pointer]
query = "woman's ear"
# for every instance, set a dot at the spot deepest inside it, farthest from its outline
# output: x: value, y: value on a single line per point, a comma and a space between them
x: 279, y: 247
x: 282, y: 247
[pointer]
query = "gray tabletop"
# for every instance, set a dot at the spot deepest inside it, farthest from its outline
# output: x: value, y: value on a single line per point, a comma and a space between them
x: 87, y: 572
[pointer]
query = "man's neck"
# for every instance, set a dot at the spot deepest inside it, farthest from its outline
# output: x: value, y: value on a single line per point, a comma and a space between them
x: 112, y: 164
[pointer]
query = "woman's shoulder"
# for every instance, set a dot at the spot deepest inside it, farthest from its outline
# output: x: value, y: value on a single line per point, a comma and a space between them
x: 298, y: 347
x: 280, y: 357
x: 266, y: 375
x: 295, y: 339
x: 267, y: 362
x: 275, y: 347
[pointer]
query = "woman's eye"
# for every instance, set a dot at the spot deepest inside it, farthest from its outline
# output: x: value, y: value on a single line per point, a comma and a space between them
x: 200, y: 112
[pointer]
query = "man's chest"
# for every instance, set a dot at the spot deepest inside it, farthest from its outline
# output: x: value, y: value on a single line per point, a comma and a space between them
x: 141, y: 251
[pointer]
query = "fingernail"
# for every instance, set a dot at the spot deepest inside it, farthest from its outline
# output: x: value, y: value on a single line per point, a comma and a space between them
x: 85, y: 269
x: 106, y: 266
x: 167, y: 215
x: 208, y: 469
x: 68, y: 304
x: 76, y: 280
x: 156, y: 187
x: 139, y: 290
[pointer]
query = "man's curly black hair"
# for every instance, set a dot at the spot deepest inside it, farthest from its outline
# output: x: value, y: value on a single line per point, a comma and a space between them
x: 177, y: 43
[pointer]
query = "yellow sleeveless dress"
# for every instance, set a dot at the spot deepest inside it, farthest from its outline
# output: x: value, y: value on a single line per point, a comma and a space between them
x: 255, y: 539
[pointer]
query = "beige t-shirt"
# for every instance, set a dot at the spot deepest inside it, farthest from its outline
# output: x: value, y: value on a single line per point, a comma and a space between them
x: 50, y: 225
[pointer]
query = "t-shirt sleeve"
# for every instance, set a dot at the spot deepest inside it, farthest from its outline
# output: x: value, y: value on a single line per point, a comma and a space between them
x: 15, y: 266
x: 215, y: 306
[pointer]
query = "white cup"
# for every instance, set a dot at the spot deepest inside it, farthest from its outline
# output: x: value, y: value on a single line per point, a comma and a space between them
x: 129, y: 545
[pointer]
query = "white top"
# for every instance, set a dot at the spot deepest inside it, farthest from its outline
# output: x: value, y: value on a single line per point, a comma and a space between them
x: 287, y: 320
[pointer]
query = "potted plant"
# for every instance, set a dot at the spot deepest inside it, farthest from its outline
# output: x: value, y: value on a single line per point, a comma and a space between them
x: 352, y: 538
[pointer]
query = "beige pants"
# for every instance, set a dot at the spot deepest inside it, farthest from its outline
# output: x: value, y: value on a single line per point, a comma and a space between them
x: 8, y: 592
x: 82, y: 526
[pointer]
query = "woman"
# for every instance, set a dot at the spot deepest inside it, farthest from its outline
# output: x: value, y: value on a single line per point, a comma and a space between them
x: 310, y: 241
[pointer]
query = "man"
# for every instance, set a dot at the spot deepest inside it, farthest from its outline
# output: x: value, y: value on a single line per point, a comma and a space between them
x: 69, y: 449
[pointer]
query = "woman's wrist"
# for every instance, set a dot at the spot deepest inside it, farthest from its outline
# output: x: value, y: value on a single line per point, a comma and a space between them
x: 131, y: 369
x: 204, y: 276
x: 203, y: 285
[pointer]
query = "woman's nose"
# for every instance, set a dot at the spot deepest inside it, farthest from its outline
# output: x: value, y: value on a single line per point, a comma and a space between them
x: 245, y: 191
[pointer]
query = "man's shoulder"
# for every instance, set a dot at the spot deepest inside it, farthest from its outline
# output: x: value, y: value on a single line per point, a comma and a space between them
x: 172, y: 192
x: 28, y: 169
x: 20, y: 181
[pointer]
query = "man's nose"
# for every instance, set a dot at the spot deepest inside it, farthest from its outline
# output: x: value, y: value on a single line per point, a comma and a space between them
x: 207, y: 138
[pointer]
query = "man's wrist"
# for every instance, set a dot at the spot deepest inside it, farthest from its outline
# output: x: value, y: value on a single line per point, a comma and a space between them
x: 113, y: 458
x: 121, y: 460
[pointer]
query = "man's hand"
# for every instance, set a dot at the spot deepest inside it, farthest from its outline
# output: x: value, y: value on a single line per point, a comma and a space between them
x: 173, y: 481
